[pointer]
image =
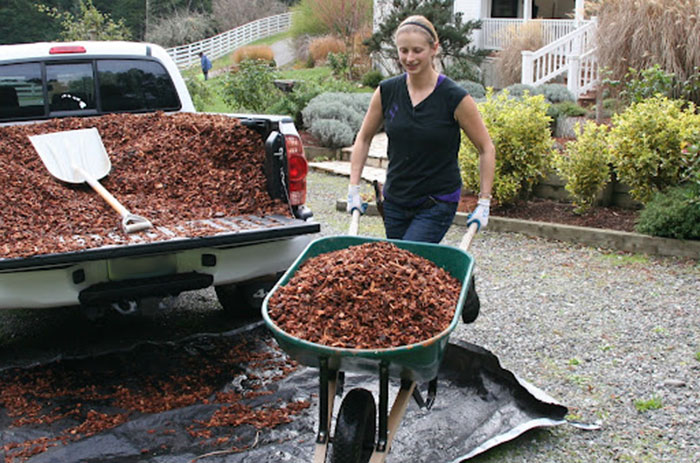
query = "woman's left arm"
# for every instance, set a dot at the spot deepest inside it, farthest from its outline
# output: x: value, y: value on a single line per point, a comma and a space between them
x: 469, y: 119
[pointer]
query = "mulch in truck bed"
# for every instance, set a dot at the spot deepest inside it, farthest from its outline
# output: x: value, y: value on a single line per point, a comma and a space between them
x: 171, y: 169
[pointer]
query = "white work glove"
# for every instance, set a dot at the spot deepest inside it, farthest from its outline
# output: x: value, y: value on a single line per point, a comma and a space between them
x: 480, y: 214
x: 354, y: 200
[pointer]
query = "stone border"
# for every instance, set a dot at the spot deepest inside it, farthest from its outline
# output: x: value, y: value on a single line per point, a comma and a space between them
x: 595, y: 237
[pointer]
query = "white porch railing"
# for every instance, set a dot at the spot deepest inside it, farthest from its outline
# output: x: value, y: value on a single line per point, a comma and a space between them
x: 496, y: 33
x: 573, y: 54
x: 222, y: 44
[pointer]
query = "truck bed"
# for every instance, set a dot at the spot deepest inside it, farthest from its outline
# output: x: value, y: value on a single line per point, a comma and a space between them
x: 218, y: 232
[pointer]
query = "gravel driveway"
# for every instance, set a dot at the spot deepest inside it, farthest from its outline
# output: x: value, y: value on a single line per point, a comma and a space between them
x: 615, y: 337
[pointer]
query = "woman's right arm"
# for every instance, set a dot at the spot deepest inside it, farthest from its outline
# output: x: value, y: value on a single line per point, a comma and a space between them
x: 370, y: 126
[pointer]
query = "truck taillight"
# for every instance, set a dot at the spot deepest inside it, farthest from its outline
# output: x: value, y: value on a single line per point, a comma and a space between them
x: 66, y: 49
x: 298, y: 168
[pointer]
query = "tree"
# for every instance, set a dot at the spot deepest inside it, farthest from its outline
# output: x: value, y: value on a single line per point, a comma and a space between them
x: 20, y: 22
x: 454, y: 34
x: 233, y: 13
x: 180, y: 27
x: 90, y: 24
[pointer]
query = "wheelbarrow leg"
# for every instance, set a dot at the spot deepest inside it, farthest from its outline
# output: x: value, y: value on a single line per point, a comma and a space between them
x: 389, y: 422
x: 383, y: 431
x: 432, y: 392
x: 325, y: 409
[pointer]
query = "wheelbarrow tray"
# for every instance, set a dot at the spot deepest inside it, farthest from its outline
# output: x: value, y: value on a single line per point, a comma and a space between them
x: 414, y: 362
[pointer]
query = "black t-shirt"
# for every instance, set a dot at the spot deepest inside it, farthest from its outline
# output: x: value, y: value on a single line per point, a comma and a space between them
x: 423, y: 141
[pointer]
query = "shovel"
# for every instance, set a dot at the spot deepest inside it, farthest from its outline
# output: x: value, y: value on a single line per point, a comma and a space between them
x: 78, y: 156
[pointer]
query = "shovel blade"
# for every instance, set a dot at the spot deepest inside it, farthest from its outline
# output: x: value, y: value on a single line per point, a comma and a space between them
x: 61, y: 152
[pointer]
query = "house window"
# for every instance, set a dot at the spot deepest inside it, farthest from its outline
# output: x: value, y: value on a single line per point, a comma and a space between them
x: 504, y: 8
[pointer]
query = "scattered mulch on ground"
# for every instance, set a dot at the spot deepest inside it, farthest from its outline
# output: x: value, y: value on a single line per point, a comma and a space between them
x: 171, y: 169
x: 71, y: 400
x: 545, y: 210
x: 371, y: 296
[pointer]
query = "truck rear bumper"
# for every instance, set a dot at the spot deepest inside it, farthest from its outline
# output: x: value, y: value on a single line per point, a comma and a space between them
x: 62, y: 284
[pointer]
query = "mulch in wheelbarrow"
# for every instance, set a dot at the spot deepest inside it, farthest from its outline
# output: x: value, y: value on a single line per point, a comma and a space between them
x: 371, y: 296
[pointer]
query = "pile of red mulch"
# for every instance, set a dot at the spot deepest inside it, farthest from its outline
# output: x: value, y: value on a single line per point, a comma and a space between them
x: 72, y: 400
x: 170, y: 169
x: 371, y: 296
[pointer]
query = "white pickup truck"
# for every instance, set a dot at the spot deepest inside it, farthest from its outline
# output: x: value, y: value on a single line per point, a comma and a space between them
x: 45, y: 81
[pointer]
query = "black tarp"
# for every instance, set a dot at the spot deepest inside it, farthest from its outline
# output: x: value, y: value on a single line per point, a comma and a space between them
x: 478, y: 405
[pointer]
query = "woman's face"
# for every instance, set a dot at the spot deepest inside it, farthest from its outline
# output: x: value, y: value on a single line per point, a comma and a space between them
x: 415, y: 51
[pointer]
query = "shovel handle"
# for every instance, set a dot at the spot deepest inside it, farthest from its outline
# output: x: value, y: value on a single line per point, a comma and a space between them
x: 130, y: 222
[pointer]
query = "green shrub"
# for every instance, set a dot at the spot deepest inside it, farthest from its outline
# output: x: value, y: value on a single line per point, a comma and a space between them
x: 372, y: 78
x: 585, y: 165
x: 251, y: 88
x: 690, y: 153
x: 674, y: 213
x: 646, y: 142
x: 336, y: 110
x: 519, y: 129
x: 199, y: 90
x: 339, y: 64
x: 647, y: 83
x: 518, y: 90
x: 566, y: 109
x: 333, y: 133
x: 293, y: 103
x: 555, y: 93
x: 345, y: 110
x: 475, y: 89
x: 462, y: 69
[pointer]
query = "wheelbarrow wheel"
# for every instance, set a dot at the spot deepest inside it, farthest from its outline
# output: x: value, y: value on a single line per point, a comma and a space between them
x: 355, y: 428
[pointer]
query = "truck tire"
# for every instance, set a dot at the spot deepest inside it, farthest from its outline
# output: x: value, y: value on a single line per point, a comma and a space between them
x: 355, y: 428
x: 232, y: 301
x: 244, y: 299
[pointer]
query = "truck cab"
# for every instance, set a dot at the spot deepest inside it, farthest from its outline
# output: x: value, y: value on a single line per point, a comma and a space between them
x: 46, y: 80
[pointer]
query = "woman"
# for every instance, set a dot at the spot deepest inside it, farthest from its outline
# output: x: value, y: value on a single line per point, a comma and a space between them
x: 423, y: 112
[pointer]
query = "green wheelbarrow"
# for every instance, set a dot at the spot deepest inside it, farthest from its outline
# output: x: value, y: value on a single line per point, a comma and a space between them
x: 359, y: 436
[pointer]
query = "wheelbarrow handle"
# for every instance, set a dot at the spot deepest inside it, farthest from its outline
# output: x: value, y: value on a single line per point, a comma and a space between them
x: 463, y: 245
x: 354, y: 223
x: 468, y: 237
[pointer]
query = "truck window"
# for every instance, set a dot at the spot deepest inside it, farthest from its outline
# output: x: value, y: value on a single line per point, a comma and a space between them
x: 135, y: 85
x: 21, y: 91
x: 70, y: 87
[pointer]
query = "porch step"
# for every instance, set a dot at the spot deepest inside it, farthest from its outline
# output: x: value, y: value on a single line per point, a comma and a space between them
x: 587, y: 99
x: 377, y: 152
x: 369, y: 173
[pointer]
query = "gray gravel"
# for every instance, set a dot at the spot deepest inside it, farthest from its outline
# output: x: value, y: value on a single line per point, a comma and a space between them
x: 613, y: 336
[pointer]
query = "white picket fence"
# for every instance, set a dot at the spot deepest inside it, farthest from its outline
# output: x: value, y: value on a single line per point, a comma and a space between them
x: 224, y: 43
x: 573, y: 54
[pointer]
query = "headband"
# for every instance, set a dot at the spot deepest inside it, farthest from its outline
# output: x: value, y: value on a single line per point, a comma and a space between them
x: 416, y: 23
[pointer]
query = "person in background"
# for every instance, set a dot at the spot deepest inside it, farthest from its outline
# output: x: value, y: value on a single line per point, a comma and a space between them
x: 424, y: 113
x: 206, y: 65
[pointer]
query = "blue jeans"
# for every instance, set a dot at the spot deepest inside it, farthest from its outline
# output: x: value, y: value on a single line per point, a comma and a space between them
x: 427, y: 224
